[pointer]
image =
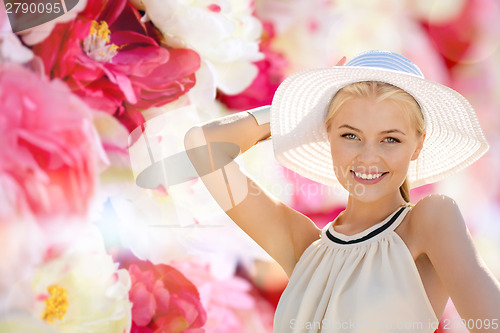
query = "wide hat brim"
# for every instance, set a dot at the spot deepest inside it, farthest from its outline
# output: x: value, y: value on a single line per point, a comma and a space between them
x: 454, y: 138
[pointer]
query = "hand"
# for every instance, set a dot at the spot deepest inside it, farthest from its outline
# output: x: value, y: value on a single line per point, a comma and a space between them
x: 342, y: 61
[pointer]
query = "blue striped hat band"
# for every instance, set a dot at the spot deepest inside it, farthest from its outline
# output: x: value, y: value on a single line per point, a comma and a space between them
x: 386, y: 60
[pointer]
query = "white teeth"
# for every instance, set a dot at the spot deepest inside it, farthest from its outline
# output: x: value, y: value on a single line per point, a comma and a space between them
x: 365, y: 176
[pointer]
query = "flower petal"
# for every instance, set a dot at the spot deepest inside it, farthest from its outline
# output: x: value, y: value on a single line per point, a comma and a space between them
x: 232, y: 78
x: 144, y: 304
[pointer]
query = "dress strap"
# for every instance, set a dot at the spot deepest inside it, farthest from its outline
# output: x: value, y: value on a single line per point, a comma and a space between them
x: 405, y: 209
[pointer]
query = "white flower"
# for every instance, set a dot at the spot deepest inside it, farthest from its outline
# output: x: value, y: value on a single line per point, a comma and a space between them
x: 23, y: 249
x: 83, y: 289
x: 11, y: 48
x: 223, y: 32
x: 24, y: 322
x: 437, y: 12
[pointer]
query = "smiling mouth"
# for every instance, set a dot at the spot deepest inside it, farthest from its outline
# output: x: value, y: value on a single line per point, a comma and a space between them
x: 368, y: 176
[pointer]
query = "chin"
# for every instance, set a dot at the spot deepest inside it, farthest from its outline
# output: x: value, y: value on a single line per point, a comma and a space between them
x: 366, y: 194
x: 366, y: 198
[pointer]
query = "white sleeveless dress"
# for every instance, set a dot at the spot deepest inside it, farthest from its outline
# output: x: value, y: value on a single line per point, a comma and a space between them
x: 367, y: 282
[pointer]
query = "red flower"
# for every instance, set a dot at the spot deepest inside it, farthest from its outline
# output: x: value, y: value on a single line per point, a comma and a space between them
x: 462, y: 38
x: 164, y: 300
x: 113, y: 61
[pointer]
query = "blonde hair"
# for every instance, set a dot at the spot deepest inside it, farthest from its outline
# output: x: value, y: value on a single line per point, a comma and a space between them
x: 380, y: 91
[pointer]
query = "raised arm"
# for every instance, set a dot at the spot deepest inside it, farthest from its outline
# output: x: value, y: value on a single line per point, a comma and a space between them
x: 212, y: 147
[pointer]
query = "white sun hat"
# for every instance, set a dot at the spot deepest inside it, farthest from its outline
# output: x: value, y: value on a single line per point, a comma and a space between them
x: 454, y: 138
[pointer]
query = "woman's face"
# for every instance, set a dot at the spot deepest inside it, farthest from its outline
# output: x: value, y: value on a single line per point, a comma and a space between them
x: 372, y: 140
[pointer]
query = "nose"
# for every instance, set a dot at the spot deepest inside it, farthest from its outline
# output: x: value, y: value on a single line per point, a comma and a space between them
x: 368, y: 155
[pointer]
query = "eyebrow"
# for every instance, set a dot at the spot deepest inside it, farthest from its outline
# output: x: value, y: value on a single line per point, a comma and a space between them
x: 382, y: 132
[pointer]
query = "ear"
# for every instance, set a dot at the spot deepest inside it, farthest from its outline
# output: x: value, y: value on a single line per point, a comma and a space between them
x: 419, y: 147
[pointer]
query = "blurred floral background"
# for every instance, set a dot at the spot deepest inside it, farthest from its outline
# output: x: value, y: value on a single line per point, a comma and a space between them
x: 93, y: 110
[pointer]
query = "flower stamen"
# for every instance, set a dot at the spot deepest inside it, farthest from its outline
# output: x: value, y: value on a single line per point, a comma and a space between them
x: 96, y: 44
x: 56, y: 304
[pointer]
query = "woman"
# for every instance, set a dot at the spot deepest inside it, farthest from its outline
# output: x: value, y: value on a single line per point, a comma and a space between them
x: 376, y: 127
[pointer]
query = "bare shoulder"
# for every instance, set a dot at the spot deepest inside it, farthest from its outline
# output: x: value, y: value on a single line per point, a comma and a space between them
x: 434, y: 204
x: 436, y: 216
x: 448, y: 243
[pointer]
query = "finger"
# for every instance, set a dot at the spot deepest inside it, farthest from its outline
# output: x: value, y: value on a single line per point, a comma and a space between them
x: 342, y: 61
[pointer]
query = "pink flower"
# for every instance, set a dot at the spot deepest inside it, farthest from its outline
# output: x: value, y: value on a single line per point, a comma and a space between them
x: 164, y: 300
x: 233, y: 304
x: 114, y: 62
x: 49, y: 149
x: 269, y: 77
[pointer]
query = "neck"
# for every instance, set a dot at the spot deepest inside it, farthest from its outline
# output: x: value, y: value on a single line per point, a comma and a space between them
x: 361, y: 215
